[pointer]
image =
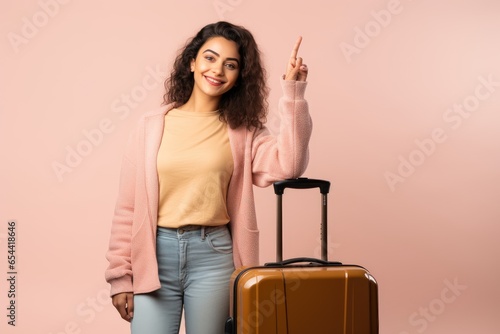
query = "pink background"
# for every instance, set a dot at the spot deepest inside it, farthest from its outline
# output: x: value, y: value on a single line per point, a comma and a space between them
x: 389, y: 104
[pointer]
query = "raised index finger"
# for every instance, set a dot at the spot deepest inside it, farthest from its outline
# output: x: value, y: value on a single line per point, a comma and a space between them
x: 296, y: 48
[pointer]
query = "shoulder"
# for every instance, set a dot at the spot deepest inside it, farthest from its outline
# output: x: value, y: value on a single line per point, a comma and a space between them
x: 157, y: 113
x: 161, y: 111
x: 147, y: 120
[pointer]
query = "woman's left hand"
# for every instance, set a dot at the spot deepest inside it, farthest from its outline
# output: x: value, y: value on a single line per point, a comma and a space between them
x: 295, y: 69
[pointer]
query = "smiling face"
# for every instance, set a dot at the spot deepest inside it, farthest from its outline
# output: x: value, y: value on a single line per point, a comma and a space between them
x: 216, y: 68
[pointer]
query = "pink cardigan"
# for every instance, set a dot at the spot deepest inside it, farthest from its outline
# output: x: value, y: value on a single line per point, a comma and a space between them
x: 259, y: 159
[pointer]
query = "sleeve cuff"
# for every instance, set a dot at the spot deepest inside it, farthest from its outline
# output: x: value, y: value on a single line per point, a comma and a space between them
x: 292, y: 89
x: 121, y: 284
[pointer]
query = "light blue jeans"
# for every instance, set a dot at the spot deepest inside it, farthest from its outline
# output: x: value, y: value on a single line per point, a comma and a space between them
x: 195, y: 266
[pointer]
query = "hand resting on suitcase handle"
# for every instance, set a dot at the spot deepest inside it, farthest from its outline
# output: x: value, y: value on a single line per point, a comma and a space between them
x: 301, y: 183
x: 308, y: 260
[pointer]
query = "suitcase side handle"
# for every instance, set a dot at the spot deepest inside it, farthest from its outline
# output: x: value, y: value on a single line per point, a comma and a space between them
x: 308, y: 260
x: 301, y: 183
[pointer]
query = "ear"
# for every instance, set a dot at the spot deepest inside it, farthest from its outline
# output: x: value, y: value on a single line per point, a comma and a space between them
x: 192, y: 65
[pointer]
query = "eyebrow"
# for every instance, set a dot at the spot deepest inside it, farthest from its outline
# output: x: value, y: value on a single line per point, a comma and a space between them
x: 218, y: 55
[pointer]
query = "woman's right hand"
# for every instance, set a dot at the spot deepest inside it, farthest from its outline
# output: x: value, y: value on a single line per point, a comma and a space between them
x: 124, y: 303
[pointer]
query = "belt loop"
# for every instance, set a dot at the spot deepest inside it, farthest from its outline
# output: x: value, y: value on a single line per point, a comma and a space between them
x: 203, y: 233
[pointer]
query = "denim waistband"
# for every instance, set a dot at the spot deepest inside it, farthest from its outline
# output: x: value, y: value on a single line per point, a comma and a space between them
x: 190, y: 230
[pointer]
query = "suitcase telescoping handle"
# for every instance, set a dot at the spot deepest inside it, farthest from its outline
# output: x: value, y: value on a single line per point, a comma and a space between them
x: 301, y: 183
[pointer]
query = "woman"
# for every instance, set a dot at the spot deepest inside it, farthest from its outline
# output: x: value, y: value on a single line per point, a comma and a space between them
x: 185, y: 215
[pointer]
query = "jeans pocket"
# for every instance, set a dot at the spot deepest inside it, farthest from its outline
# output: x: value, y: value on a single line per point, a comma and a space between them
x: 220, y: 241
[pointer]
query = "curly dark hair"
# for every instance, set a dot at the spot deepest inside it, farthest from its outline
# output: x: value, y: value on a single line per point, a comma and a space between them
x: 244, y: 104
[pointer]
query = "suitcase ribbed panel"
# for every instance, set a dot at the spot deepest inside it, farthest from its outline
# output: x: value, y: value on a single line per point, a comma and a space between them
x: 298, y: 300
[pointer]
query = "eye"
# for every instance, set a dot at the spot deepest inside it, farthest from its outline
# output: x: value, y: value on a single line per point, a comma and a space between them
x: 231, y: 66
x: 209, y: 58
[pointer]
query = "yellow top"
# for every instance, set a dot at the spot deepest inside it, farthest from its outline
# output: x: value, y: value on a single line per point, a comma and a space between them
x: 195, y: 165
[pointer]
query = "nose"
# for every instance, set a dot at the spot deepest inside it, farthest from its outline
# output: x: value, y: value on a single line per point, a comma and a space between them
x: 218, y: 68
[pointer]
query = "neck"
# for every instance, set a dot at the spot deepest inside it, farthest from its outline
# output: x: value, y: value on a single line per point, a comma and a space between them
x: 201, y: 103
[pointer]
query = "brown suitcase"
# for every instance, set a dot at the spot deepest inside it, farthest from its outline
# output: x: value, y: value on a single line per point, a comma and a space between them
x: 303, y: 295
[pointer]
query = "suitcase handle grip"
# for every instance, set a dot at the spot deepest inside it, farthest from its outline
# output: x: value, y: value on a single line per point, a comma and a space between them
x: 302, y: 260
x: 301, y: 183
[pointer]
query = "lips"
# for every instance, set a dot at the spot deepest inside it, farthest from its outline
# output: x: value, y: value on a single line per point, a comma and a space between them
x: 213, y: 82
